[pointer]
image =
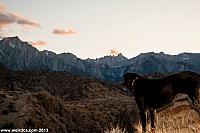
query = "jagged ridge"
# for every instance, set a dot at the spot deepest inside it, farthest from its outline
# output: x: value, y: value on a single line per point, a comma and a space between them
x: 19, y: 55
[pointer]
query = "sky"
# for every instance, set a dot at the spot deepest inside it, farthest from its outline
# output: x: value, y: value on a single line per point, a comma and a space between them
x: 96, y: 28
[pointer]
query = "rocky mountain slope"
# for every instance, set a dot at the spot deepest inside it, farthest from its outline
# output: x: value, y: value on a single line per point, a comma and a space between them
x: 19, y: 55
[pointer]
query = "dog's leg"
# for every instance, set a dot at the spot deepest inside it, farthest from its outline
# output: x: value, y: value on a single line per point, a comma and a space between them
x: 195, y: 101
x: 153, y: 119
x: 143, y: 118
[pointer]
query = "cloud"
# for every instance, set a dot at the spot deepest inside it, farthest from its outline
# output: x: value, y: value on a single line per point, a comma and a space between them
x: 39, y: 43
x: 113, y: 52
x: 2, y: 7
x: 8, y: 17
x: 63, y: 32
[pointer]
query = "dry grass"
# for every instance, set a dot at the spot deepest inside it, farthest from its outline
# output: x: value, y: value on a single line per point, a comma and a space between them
x: 179, y: 118
x: 115, y: 130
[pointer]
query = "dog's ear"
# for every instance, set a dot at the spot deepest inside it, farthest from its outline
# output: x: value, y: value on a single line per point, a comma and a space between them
x: 133, y: 76
x: 127, y: 76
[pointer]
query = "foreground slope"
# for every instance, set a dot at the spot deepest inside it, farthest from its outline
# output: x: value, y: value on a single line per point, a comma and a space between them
x: 63, y: 102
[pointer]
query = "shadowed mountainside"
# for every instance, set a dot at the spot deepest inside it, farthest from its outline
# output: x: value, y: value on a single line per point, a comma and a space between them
x: 19, y: 55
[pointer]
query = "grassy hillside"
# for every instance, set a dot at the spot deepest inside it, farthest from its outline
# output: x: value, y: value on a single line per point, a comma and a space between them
x: 67, y: 103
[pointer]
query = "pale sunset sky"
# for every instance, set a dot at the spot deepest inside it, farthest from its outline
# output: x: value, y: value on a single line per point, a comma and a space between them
x: 95, y: 28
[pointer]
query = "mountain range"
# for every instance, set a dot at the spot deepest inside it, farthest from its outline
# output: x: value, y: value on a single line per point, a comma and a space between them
x: 18, y: 55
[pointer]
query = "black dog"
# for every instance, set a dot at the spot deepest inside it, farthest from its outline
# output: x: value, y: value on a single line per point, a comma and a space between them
x: 151, y: 94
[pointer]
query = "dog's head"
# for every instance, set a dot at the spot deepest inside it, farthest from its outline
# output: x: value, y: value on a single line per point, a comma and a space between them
x: 129, y: 79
